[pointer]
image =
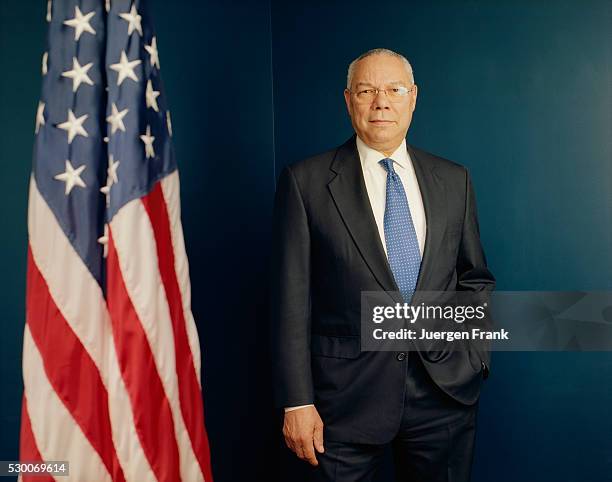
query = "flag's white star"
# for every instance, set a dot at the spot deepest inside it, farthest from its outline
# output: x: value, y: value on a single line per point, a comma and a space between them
x: 40, y: 116
x: 44, y: 63
x: 78, y: 74
x: 103, y: 240
x: 74, y: 126
x: 151, y: 96
x: 154, y: 54
x: 125, y: 68
x: 133, y: 20
x: 169, y: 122
x: 107, y: 5
x: 148, y: 142
x: 111, y: 178
x: 112, y: 169
x: 48, y: 10
x: 106, y: 190
x: 72, y: 177
x: 80, y: 23
x: 116, y: 119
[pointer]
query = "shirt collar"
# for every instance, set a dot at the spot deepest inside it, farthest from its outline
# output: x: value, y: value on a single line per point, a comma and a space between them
x: 370, y: 157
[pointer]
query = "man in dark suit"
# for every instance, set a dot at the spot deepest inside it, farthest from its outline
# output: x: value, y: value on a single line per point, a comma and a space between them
x: 374, y: 214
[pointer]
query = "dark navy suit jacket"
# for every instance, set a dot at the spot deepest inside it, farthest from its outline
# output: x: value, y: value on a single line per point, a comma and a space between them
x: 326, y: 251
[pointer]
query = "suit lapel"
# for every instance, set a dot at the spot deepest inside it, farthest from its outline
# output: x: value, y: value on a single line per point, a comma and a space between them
x: 433, y: 194
x: 349, y: 193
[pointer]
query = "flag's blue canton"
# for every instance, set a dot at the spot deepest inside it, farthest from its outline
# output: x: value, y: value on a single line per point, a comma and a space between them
x: 84, y: 193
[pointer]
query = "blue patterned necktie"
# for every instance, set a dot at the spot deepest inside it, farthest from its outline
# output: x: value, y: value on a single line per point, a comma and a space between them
x: 400, y: 236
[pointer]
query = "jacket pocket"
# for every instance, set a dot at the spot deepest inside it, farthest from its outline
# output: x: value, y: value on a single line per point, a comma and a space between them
x: 335, y: 346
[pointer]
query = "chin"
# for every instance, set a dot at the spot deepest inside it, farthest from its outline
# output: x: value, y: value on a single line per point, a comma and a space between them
x: 381, y: 137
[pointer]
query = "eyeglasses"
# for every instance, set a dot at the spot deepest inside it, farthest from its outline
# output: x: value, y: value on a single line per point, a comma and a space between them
x: 394, y: 94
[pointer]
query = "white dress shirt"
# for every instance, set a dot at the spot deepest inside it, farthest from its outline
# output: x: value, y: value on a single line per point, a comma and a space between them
x: 375, y: 177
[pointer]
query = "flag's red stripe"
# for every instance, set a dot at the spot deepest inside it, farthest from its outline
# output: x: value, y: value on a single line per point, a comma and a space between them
x: 152, y: 413
x: 190, y: 394
x: 69, y: 368
x: 28, y: 451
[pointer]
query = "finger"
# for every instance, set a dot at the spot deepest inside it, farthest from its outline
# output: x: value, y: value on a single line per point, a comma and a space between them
x: 299, y: 452
x: 309, y: 453
x: 318, y: 438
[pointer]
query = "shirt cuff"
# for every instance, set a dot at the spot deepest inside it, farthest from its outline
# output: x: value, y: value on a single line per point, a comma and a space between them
x: 291, y: 409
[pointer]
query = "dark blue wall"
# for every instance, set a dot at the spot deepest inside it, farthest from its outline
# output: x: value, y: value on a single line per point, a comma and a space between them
x: 216, y: 64
x: 22, y: 34
x: 521, y: 93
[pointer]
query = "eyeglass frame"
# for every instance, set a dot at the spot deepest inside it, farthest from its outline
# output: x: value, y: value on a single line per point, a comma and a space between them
x: 378, y: 91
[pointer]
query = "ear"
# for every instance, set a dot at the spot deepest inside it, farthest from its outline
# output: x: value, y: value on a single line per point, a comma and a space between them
x: 347, y: 100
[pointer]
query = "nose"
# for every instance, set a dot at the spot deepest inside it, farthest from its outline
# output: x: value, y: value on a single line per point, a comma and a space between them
x: 381, y: 101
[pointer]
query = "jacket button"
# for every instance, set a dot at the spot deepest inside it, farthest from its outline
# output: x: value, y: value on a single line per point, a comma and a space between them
x: 401, y: 356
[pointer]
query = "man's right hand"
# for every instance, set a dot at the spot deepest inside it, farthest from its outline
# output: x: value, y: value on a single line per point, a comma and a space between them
x: 303, y: 431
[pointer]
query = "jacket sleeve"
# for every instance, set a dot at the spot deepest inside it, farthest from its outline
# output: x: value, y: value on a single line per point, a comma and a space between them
x: 290, y: 296
x: 473, y: 274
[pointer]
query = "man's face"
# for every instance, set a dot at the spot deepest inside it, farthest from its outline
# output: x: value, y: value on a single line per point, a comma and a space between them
x: 381, y: 122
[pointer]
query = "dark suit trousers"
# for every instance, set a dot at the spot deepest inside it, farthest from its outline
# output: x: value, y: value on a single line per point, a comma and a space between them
x: 435, y: 441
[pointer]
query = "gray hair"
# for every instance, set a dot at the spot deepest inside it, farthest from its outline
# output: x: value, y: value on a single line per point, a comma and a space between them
x: 351, y: 68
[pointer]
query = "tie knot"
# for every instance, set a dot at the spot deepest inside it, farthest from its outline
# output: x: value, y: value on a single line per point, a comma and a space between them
x: 387, y: 163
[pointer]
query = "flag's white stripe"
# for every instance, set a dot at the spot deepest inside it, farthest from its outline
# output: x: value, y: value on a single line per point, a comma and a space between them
x: 80, y: 301
x: 134, y: 240
x: 71, y: 285
x: 171, y: 190
x: 131, y: 456
x: 57, y: 435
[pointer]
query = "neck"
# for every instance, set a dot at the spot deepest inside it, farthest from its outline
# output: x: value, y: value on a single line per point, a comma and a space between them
x: 386, y: 150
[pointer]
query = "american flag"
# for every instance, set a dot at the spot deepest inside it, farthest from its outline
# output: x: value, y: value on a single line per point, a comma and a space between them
x: 111, y: 357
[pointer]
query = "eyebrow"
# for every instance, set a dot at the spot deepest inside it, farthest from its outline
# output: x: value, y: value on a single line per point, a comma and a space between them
x: 367, y: 84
